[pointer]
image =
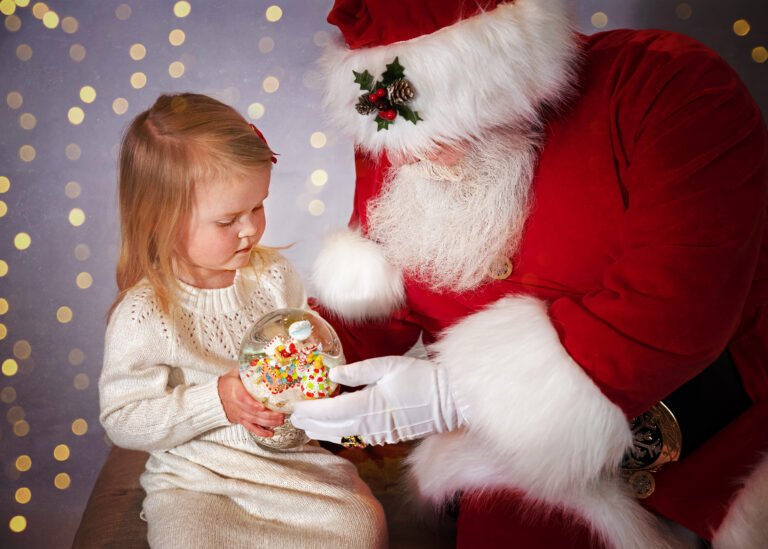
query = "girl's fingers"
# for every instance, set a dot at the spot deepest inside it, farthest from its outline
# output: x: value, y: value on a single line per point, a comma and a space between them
x: 257, y: 429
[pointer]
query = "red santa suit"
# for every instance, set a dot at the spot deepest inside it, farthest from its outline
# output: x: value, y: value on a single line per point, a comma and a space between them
x: 643, y: 260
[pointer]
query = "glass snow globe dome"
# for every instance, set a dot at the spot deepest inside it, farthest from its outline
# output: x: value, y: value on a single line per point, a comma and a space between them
x: 285, y: 358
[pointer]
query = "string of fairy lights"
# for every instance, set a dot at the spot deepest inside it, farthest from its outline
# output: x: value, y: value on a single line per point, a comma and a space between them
x: 19, y: 466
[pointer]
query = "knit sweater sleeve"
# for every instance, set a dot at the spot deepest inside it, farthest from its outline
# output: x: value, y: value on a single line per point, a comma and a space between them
x: 140, y: 407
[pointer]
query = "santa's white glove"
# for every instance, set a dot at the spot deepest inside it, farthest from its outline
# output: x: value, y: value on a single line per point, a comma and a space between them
x: 406, y: 398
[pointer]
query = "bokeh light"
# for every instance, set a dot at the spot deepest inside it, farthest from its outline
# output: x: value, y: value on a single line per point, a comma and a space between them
x: 138, y: 80
x: 84, y: 280
x: 75, y: 115
x: 23, y: 495
x: 274, y: 14
x: 27, y: 153
x: 760, y: 54
x: 61, y: 452
x: 76, y: 357
x: 176, y: 69
x: 17, y: 524
x: 24, y: 52
x: 77, y: 52
x: 123, y: 12
x: 182, y: 8
x: 73, y: 151
x: 176, y: 37
x: 22, y: 241
x: 10, y: 367
x: 70, y: 25
x: 266, y: 44
x: 64, y: 314
x: 3, y: 306
x: 137, y: 52
x: 255, y: 111
x: 270, y: 84
x: 14, y: 100
x: 62, y: 481
x: 81, y: 382
x: 72, y: 189
x: 82, y: 252
x: 318, y: 140
x: 5, y: 184
x: 51, y: 19
x: 599, y: 20
x: 3, y: 267
x: 87, y: 94
x: 76, y: 217
x: 39, y: 10
x: 741, y: 27
x: 23, y: 463
x: 316, y: 207
x: 22, y: 349
x: 120, y: 105
x: 21, y: 428
x: 27, y: 121
x: 12, y: 23
x: 79, y: 427
x: 319, y: 178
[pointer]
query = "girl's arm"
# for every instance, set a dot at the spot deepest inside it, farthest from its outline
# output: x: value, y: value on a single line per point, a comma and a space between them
x: 141, y: 408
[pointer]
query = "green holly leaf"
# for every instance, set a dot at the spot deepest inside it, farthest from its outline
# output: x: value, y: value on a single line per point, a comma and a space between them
x: 382, y: 124
x: 408, y: 114
x: 395, y: 71
x: 364, y: 79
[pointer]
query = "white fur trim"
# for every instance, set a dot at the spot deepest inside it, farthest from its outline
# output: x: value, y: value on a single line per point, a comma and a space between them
x: 537, y: 424
x: 493, y: 69
x: 746, y: 524
x: 354, y: 280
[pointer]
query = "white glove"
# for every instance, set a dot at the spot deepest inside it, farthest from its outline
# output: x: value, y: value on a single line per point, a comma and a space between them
x: 406, y: 398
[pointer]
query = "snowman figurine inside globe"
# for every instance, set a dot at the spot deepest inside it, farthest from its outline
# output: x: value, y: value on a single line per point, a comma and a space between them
x: 284, y: 359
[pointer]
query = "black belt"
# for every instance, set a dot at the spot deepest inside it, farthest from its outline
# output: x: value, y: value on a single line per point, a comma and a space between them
x: 683, y: 421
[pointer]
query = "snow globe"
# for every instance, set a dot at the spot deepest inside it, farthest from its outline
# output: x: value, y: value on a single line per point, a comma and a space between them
x: 284, y: 359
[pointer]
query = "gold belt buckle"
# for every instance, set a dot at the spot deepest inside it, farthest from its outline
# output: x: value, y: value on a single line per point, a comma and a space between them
x: 657, y: 440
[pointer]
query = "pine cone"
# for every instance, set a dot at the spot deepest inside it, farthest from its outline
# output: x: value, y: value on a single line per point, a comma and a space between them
x: 400, y: 91
x: 364, y: 105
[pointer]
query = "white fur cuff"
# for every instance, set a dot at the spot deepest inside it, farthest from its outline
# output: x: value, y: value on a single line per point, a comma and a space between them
x: 353, y: 278
x: 531, y: 404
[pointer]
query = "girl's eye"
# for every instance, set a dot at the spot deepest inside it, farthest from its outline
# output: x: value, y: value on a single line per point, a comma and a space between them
x: 226, y: 223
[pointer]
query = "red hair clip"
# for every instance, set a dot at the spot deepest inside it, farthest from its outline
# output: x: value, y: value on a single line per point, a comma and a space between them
x: 261, y: 135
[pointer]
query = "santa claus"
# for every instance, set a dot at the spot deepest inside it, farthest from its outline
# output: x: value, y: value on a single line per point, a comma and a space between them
x: 576, y: 226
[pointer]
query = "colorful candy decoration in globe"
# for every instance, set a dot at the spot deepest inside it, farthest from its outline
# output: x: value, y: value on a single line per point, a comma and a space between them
x: 290, y: 364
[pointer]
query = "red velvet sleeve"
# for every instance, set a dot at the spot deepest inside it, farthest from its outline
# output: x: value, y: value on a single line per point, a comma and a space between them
x: 691, y: 153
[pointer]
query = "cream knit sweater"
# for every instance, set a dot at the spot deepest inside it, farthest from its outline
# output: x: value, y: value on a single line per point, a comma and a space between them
x: 207, y: 482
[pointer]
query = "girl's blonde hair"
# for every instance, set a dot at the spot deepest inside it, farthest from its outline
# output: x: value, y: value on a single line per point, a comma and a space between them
x: 181, y: 141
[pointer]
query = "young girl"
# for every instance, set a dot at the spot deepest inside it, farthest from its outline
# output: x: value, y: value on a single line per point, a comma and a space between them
x: 193, y: 179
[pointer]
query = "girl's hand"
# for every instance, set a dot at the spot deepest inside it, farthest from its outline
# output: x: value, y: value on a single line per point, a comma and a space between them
x: 242, y: 408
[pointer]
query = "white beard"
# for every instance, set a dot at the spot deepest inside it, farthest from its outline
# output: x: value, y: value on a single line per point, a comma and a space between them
x: 449, y: 226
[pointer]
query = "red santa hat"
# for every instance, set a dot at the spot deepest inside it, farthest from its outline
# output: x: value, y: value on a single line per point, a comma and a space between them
x: 408, y: 75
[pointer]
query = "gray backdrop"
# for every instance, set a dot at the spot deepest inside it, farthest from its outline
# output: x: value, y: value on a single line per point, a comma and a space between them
x: 72, y: 75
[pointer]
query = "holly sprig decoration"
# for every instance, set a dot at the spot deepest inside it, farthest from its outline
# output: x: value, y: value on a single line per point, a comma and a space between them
x: 388, y: 97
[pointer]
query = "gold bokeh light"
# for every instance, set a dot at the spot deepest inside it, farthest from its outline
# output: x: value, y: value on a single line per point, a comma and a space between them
x: 3, y: 268
x: 266, y: 44
x: 70, y: 25
x: 87, y: 94
x: 138, y: 80
x: 27, y: 153
x: 76, y: 217
x: 599, y: 20
x: 255, y: 111
x: 10, y: 367
x: 27, y: 121
x: 51, y: 19
x: 760, y: 54
x: 39, y: 9
x: 741, y: 27
x: 318, y: 140
x: 17, y: 524
x: 3, y: 306
x: 23, y: 463
x: 73, y: 151
x: 319, y: 178
x: 84, y: 280
x: 22, y: 241
x: 273, y: 14
x: 21, y: 428
x: 137, y: 52
x: 77, y: 52
x: 123, y: 12
x: 72, y: 189
x: 120, y: 105
x: 182, y: 8
x: 61, y: 452
x: 76, y: 357
x: 75, y: 115
x: 79, y: 427
x: 3, y: 208
x: 24, y: 52
x: 82, y: 252
x: 23, y: 495
x: 176, y: 37
x: 7, y: 7
x: 316, y: 207
x: 13, y: 23
x: 5, y: 184
x: 62, y: 481
x: 14, y: 99
x: 176, y: 69
x: 81, y: 382
x: 270, y: 84
x: 64, y: 314
x: 22, y: 349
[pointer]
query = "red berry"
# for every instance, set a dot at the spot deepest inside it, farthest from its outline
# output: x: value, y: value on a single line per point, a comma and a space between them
x: 388, y: 115
x: 381, y: 92
x: 372, y: 97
